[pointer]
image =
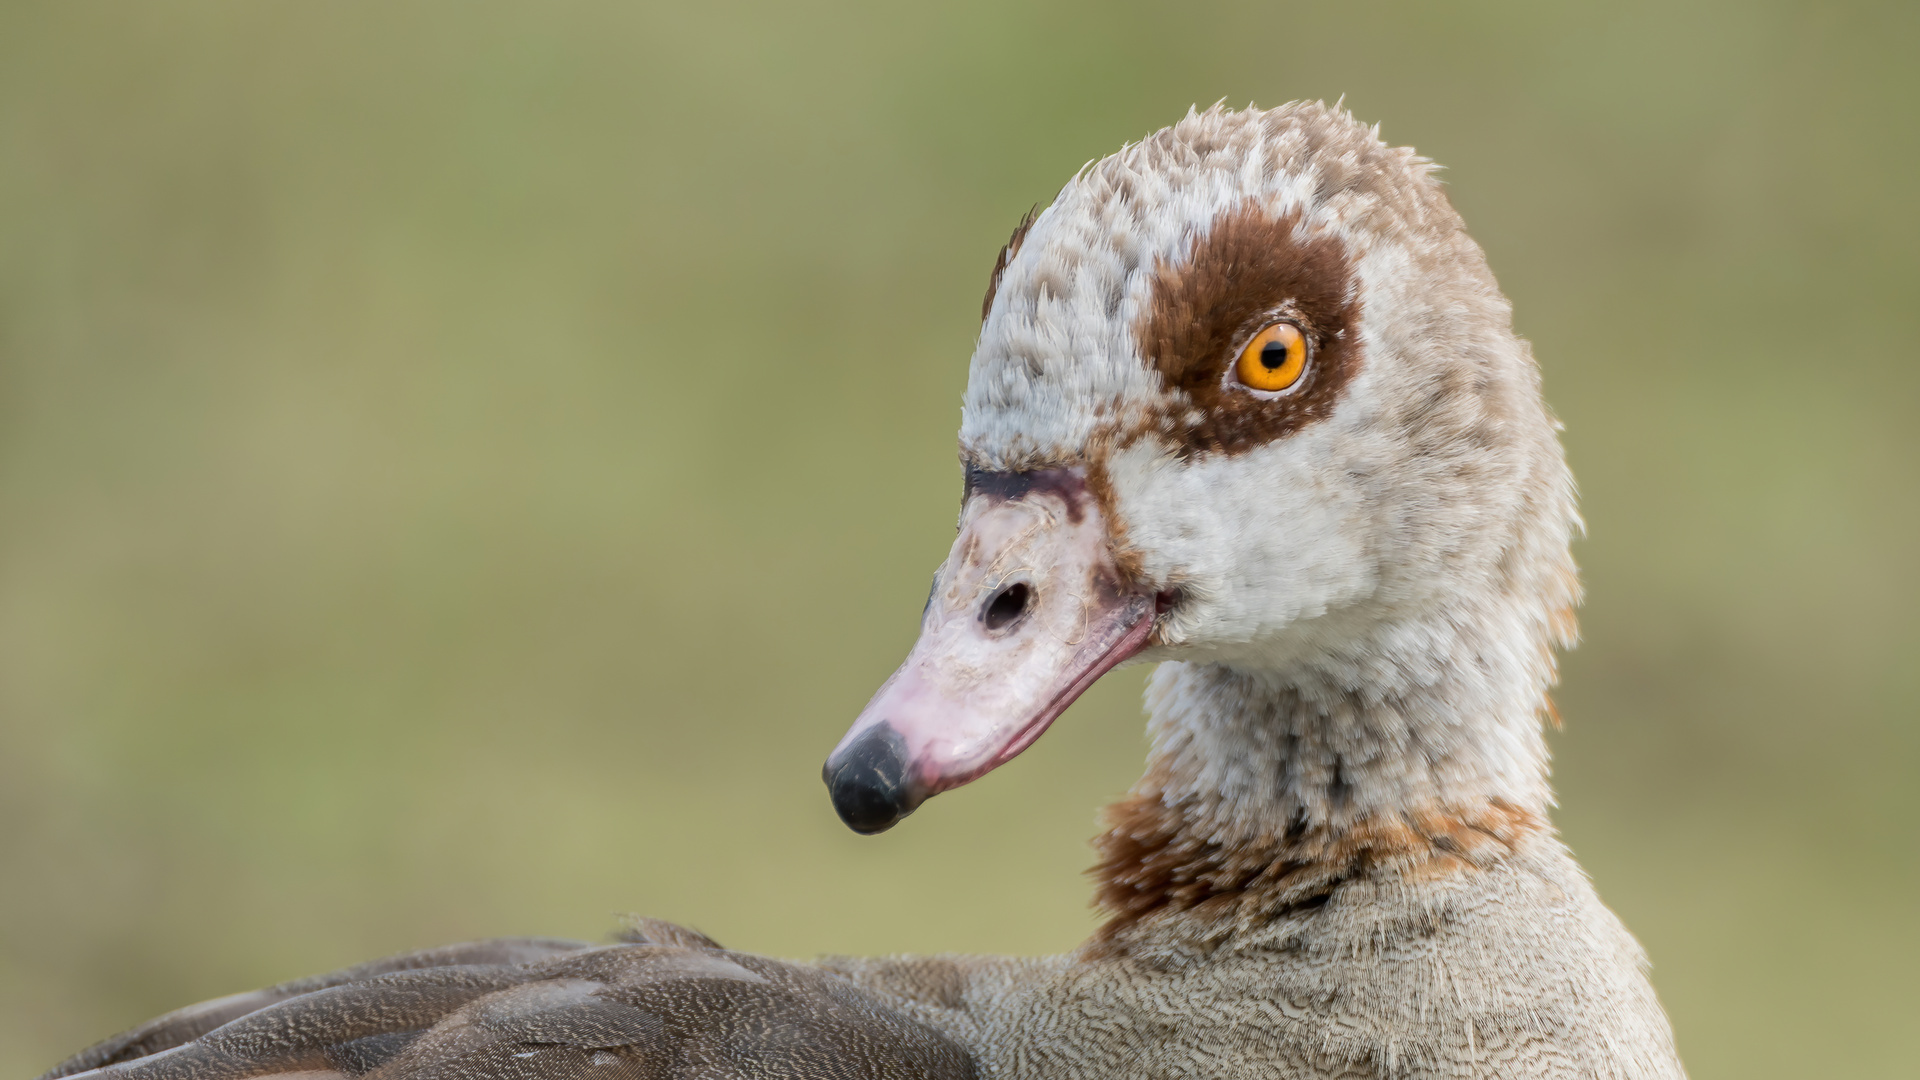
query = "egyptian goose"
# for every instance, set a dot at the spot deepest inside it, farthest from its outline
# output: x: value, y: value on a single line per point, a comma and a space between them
x: 1247, y: 401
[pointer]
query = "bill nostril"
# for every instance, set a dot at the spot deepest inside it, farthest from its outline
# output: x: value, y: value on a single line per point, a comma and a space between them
x: 1007, y: 606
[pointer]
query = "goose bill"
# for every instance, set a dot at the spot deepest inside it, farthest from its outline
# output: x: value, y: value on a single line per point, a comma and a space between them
x: 1026, y: 613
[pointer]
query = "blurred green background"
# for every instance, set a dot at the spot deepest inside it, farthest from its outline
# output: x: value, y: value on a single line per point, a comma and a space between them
x: 462, y: 465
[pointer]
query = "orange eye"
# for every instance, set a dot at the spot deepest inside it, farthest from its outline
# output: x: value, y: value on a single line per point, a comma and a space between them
x: 1274, y: 359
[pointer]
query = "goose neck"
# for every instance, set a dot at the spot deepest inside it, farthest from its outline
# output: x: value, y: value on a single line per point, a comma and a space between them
x: 1267, y: 785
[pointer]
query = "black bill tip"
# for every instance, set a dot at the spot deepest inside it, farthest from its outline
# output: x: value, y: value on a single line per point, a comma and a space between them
x: 868, y: 782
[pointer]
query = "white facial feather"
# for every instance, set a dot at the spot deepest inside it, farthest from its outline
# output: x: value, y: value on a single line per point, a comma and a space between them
x: 1405, y: 556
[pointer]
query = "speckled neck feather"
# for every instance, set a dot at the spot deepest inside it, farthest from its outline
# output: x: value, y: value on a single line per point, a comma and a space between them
x: 1310, y: 814
x: 1267, y: 788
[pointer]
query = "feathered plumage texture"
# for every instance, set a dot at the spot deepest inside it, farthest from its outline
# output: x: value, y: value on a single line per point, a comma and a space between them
x: 1339, y: 862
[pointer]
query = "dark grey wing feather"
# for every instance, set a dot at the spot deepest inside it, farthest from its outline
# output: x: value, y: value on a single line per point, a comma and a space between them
x: 183, y: 1025
x: 625, y: 1012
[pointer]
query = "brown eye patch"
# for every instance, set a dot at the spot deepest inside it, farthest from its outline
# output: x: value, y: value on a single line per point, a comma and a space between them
x: 1246, y: 272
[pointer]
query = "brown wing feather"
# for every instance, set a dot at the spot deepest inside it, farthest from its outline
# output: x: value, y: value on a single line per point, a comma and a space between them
x: 649, y: 1011
x: 184, y: 1025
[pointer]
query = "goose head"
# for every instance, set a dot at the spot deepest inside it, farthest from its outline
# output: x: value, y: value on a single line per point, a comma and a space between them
x: 1245, y: 397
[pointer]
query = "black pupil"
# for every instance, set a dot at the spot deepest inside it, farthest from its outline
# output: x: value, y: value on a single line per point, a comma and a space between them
x: 1273, y: 356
